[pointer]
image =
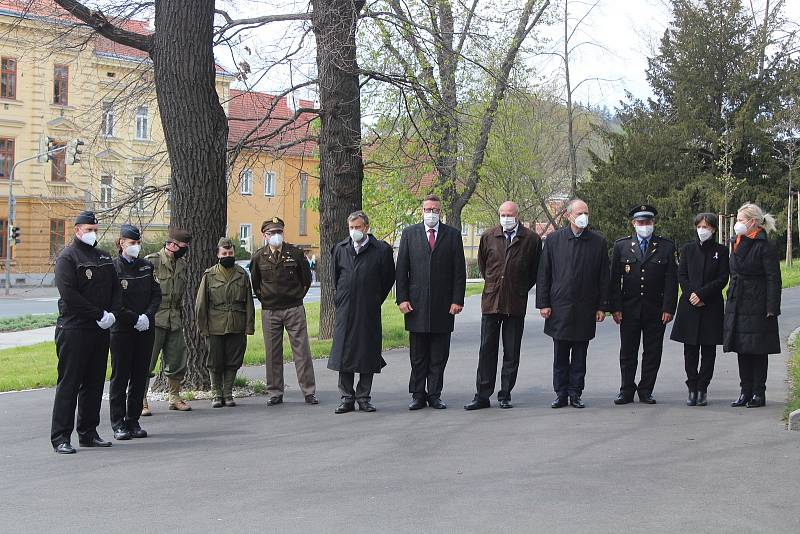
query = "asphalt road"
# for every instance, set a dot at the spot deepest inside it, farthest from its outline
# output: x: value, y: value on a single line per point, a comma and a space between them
x: 296, y: 468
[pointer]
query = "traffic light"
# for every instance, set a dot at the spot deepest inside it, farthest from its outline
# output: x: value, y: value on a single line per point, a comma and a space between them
x: 15, y: 238
x: 73, y: 152
x: 45, y: 146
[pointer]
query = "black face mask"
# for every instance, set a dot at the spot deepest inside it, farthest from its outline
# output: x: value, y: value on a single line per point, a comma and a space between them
x: 181, y: 252
x: 227, y: 261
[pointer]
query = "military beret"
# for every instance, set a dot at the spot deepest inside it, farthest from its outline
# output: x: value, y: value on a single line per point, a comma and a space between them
x: 180, y: 235
x: 225, y: 242
x: 643, y: 211
x: 271, y: 224
x: 130, y: 231
x: 86, y: 217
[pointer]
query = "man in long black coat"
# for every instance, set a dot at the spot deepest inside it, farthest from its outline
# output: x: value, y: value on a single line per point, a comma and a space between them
x: 572, y: 296
x: 363, y: 275
x: 431, y: 278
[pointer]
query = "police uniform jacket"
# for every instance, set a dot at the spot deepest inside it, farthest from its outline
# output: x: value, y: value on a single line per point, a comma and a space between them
x: 87, y: 285
x: 225, y: 302
x: 644, y: 287
x: 280, y: 283
x: 141, y: 293
x: 171, y: 276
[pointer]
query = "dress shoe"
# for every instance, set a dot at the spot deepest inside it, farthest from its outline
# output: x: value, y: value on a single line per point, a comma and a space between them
x: 345, y: 407
x: 477, y: 404
x: 122, y: 434
x: 416, y: 404
x: 702, y: 398
x: 692, y: 400
x: 576, y: 402
x: 741, y: 401
x: 757, y: 401
x: 559, y: 402
x: 217, y: 402
x: 273, y: 401
x: 136, y: 431
x: 312, y: 399
x: 366, y: 406
x: 179, y: 405
x: 146, y: 409
x: 230, y: 402
x: 94, y: 441
x: 64, y: 448
x: 647, y: 399
x: 623, y: 399
x: 437, y: 403
x: 506, y: 404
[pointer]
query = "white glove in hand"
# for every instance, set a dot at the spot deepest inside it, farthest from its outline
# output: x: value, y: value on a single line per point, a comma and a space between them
x: 107, y: 321
x: 142, y: 324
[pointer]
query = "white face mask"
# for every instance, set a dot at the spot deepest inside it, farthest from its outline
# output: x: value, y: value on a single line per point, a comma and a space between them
x: 431, y: 219
x: 508, y: 223
x: 356, y: 235
x: 90, y: 238
x: 644, y: 231
x: 276, y: 240
x: 704, y: 234
x: 133, y: 251
x: 740, y: 228
x: 582, y: 220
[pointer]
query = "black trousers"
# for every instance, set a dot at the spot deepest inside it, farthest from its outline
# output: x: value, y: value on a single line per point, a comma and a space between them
x: 753, y: 373
x: 651, y: 334
x: 429, y: 353
x: 346, y: 382
x: 491, y: 327
x: 82, y: 359
x: 569, y: 367
x: 699, y: 381
x: 130, y: 367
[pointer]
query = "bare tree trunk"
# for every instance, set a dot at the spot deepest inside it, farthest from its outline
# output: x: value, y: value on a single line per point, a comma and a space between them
x: 789, y: 228
x: 573, y: 158
x: 341, y: 166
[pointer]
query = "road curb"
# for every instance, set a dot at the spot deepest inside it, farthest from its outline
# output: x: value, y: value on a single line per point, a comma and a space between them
x: 794, y: 420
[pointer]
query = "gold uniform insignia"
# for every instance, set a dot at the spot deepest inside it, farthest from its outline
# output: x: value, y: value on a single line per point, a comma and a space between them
x: 124, y: 284
x: 627, y: 268
x: 88, y: 274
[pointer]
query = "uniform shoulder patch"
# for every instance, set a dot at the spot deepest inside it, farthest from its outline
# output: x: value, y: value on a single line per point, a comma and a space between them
x: 626, y: 238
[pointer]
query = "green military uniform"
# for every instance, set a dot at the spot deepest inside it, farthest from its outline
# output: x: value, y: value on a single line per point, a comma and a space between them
x: 225, y: 314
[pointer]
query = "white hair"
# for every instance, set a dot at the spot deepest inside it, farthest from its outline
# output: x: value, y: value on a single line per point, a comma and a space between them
x: 753, y: 212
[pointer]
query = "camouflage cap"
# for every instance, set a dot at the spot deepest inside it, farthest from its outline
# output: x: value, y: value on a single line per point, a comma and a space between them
x: 273, y: 223
x: 225, y: 242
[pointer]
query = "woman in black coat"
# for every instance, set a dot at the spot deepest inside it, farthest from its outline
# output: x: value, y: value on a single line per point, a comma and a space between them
x: 754, y: 303
x: 702, y: 273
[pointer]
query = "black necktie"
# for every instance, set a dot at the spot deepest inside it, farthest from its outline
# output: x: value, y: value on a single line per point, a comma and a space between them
x: 509, y: 235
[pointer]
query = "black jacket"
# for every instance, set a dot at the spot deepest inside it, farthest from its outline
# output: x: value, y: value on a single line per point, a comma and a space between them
x: 431, y: 280
x: 703, y: 269
x: 141, y: 293
x: 362, y: 282
x: 754, y: 292
x: 644, y: 288
x: 573, y: 282
x: 87, y: 286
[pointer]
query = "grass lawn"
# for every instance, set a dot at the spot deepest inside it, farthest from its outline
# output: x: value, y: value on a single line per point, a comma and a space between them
x: 794, y: 381
x: 27, y: 322
x: 791, y: 275
x: 35, y: 366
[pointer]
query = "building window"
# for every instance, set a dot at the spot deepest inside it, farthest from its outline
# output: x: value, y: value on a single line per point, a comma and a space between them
x: 465, y: 229
x: 57, y: 233
x: 58, y: 166
x: 60, y: 85
x: 106, y: 186
x: 138, y: 188
x: 107, y: 120
x: 142, y: 124
x: 269, y: 184
x: 6, y: 158
x: 8, y: 77
x: 303, y: 198
x: 245, y: 231
x: 246, y: 182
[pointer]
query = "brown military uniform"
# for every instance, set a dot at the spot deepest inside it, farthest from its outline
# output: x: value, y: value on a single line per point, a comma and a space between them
x: 169, y: 342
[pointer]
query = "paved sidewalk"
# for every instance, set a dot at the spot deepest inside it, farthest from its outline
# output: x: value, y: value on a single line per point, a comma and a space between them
x: 296, y: 468
x: 26, y: 337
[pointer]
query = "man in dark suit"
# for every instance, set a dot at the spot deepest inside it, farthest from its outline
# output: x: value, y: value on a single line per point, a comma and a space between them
x: 644, y: 294
x: 431, y: 278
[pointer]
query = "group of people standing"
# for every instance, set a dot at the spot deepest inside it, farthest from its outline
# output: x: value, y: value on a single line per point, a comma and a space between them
x: 133, y: 306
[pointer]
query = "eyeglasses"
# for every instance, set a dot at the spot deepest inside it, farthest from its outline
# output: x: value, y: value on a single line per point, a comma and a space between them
x: 431, y: 210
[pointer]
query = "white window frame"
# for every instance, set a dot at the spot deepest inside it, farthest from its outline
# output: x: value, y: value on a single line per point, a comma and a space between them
x: 107, y: 120
x: 137, y: 188
x: 106, y: 191
x: 270, y: 182
x: 246, y: 182
x: 245, y: 231
x: 464, y: 229
x: 142, y: 123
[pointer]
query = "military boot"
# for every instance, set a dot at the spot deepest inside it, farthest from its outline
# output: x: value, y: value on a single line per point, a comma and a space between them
x: 227, y: 387
x: 216, y: 390
x: 175, y: 400
x: 145, y: 408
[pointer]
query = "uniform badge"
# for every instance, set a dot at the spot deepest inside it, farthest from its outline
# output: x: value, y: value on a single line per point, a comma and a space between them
x: 124, y: 284
x: 155, y: 277
x: 88, y: 274
x: 627, y: 269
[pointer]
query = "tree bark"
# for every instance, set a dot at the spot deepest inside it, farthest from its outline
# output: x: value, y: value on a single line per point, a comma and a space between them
x: 341, y: 166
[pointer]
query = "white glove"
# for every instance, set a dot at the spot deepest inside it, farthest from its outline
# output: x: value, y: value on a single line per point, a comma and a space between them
x: 142, y: 324
x: 107, y: 321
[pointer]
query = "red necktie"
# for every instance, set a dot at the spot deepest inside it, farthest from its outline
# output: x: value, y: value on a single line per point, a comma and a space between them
x: 431, y: 238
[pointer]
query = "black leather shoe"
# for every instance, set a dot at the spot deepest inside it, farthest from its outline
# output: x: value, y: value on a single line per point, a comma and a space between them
x: 95, y: 441
x: 559, y: 402
x: 273, y: 401
x: 702, y: 398
x: 623, y: 399
x: 478, y: 404
x: 416, y: 404
x: 741, y: 401
x: 757, y: 401
x: 136, y: 431
x: 506, y: 404
x: 437, y: 403
x: 366, y: 406
x: 576, y: 402
x: 64, y: 448
x: 647, y: 399
x: 121, y: 434
x: 345, y: 407
x: 692, y: 400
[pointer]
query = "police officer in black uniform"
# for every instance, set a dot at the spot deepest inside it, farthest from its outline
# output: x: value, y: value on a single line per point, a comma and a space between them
x: 89, y: 299
x: 132, y: 335
x: 644, y: 293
